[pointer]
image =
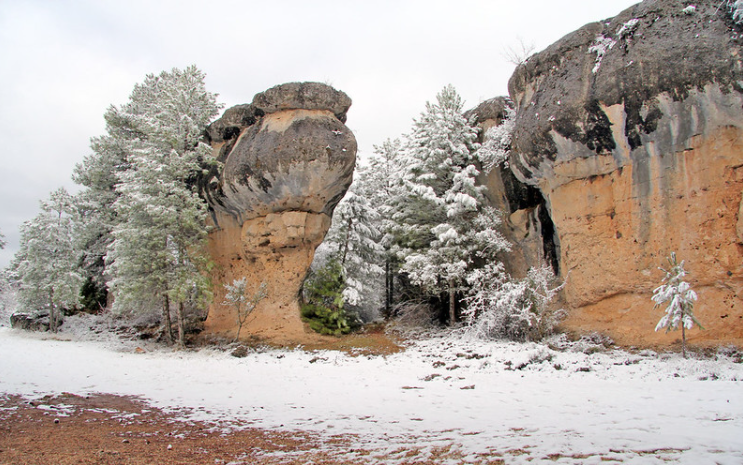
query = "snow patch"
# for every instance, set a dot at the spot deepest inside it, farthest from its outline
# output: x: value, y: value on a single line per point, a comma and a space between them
x: 600, y: 47
x: 477, y: 397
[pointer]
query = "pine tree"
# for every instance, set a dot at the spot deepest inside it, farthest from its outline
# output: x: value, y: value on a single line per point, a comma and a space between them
x: 443, y: 200
x: 47, y: 261
x: 354, y: 242
x: 99, y: 174
x: 680, y: 298
x: 380, y: 181
x: 158, y: 255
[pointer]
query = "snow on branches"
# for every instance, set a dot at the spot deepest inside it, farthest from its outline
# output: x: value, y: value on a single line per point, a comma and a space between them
x: 500, y: 307
x: 680, y: 298
x: 497, y: 146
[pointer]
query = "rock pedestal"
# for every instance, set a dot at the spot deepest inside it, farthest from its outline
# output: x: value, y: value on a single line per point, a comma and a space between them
x: 288, y: 160
x: 632, y: 130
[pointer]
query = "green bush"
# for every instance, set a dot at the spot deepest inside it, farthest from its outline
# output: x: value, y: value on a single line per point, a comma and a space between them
x: 323, y: 306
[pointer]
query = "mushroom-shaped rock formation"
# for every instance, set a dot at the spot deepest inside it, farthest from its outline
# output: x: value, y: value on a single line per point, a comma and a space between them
x: 288, y: 159
x: 632, y: 129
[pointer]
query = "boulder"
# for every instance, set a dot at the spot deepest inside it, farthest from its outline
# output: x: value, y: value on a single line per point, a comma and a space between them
x: 283, y: 174
x: 632, y: 130
x: 30, y: 321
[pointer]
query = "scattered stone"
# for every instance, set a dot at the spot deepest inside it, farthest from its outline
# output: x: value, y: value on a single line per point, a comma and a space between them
x: 240, y: 352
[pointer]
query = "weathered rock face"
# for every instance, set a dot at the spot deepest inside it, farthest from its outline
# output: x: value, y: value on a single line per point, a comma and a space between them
x: 526, y: 222
x: 632, y: 129
x: 288, y: 160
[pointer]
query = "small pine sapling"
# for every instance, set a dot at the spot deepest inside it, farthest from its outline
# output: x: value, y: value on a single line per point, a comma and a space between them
x: 238, y: 298
x: 680, y: 298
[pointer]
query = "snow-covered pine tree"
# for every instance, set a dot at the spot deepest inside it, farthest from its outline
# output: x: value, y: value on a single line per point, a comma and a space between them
x: 680, y: 298
x: 355, y: 240
x: 3, y: 243
x: 435, y: 217
x: 158, y: 256
x: 98, y: 174
x: 47, y: 262
x: 380, y: 181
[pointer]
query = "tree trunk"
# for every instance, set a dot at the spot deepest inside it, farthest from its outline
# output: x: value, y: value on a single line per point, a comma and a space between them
x: 167, y: 326
x: 345, y: 242
x: 52, y: 315
x: 452, y: 304
x: 683, y: 339
x: 387, y: 290
x: 181, y: 326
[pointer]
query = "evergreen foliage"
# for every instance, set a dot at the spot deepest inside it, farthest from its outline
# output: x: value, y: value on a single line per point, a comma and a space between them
x: 381, y: 183
x: 497, y: 146
x: 47, y: 262
x: 680, y: 298
x: 323, y: 302
x: 354, y: 242
x: 158, y: 255
x: 441, y: 201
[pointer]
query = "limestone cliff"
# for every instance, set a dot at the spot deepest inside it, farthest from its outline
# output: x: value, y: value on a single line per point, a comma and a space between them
x: 288, y: 159
x: 632, y: 130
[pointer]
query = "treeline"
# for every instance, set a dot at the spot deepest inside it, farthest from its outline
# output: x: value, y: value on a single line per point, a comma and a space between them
x: 137, y: 229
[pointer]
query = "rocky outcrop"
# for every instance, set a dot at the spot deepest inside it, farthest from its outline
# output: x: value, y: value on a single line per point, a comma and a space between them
x: 287, y: 160
x: 30, y: 321
x: 526, y: 222
x: 632, y: 130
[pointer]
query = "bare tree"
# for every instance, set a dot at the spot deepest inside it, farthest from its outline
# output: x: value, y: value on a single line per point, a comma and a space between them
x: 519, y: 53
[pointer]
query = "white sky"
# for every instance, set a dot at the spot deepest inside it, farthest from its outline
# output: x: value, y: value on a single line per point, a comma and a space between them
x: 63, y: 63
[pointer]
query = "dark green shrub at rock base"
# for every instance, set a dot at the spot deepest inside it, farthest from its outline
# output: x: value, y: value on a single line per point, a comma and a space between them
x: 323, y: 306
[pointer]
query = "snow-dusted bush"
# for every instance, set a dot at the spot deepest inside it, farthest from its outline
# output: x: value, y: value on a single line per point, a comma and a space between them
x: 735, y: 7
x: 499, y: 307
x: 242, y: 300
x: 412, y: 314
x: 680, y: 298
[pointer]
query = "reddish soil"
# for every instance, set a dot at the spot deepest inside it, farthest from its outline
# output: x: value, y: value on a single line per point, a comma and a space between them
x: 105, y: 429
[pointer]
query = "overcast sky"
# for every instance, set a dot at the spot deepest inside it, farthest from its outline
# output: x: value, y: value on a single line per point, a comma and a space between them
x: 62, y: 63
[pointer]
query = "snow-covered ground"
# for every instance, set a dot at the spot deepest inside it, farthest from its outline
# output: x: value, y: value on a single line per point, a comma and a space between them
x: 524, y: 402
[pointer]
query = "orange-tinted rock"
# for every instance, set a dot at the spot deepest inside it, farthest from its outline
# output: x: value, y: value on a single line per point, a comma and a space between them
x: 284, y: 173
x: 639, y: 154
